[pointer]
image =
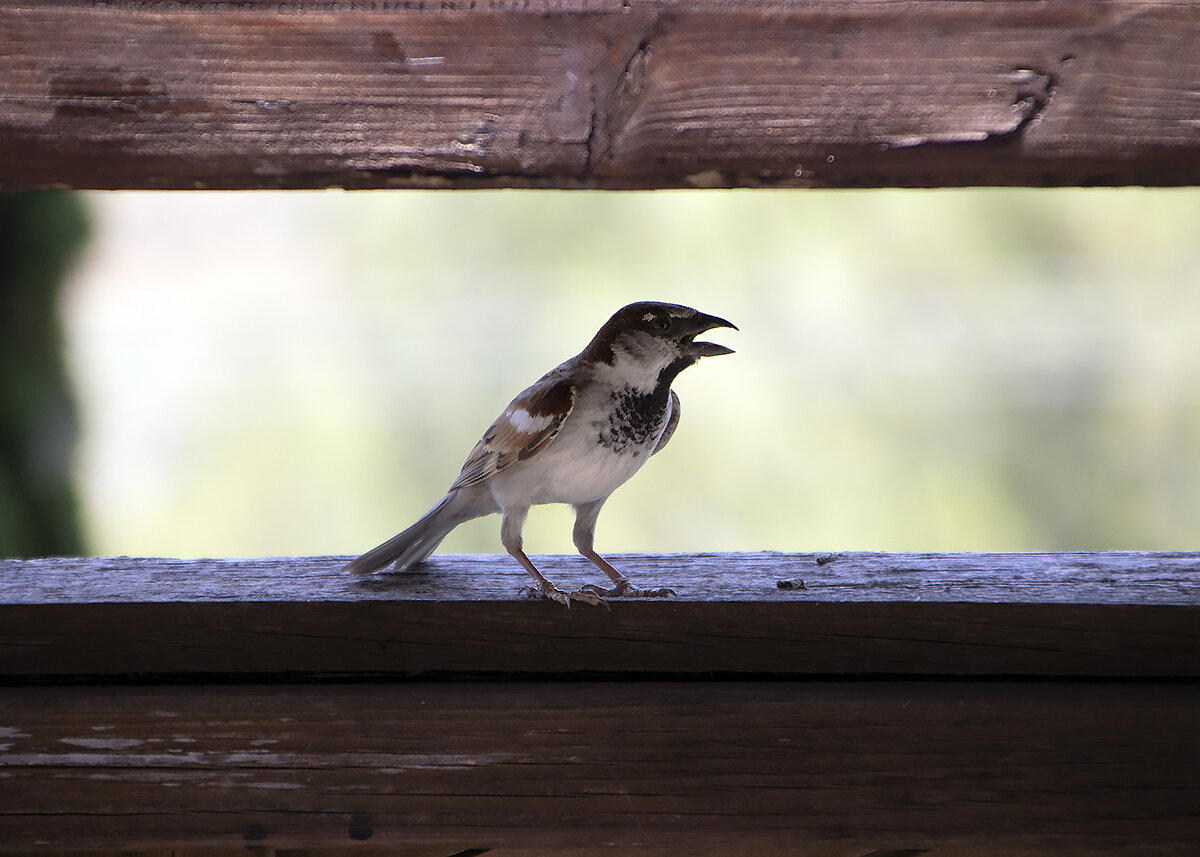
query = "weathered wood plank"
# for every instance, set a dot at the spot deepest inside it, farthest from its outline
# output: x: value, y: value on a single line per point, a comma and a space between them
x: 781, y: 849
x: 914, y: 764
x: 1098, y: 614
x: 1083, y: 577
x: 598, y: 93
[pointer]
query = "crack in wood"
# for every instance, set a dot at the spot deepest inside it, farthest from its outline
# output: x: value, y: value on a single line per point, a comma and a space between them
x: 1032, y: 100
x: 623, y: 99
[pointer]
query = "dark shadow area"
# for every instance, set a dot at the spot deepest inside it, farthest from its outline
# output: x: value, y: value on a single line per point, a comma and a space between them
x: 40, y: 236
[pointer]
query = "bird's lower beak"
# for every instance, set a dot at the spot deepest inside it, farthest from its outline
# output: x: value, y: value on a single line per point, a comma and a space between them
x: 699, y: 325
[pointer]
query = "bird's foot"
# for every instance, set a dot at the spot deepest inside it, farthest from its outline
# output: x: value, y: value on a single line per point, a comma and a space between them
x: 625, y: 589
x: 552, y: 593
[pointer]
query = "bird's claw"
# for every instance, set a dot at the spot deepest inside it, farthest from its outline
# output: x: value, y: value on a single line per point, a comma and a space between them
x: 624, y: 589
x: 553, y: 593
x: 587, y: 598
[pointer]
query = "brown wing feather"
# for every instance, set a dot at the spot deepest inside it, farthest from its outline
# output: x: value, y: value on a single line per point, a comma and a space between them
x: 672, y: 423
x: 527, y: 426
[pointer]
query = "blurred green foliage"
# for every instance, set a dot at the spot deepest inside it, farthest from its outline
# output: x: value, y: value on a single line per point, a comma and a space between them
x: 944, y: 370
x: 40, y: 236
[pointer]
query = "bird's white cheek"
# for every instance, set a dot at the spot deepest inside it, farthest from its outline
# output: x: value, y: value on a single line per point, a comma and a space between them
x: 637, y: 362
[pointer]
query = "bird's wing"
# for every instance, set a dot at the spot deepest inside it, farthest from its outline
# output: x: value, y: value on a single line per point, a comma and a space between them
x: 672, y: 423
x: 527, y: 426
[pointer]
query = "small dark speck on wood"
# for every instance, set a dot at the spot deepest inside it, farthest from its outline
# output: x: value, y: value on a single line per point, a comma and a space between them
x: 360, y: 827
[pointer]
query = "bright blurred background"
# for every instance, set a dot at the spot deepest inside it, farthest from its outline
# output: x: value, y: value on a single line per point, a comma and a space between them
x: 303, y: 373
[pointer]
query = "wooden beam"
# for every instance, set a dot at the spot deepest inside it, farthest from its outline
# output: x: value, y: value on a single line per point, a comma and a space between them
x: 1080, y: 614
x: 598, y: 93
x: 1007, y: 765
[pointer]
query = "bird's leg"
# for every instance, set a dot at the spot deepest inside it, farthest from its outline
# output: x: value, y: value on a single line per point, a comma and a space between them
x: 510, y: 536
x: 584, y: 535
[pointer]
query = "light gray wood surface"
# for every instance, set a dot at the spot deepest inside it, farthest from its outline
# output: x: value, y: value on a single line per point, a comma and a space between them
x: 1101, y: 614
x: 994, y: 578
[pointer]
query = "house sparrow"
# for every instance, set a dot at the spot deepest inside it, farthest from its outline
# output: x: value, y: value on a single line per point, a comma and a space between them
x: 573, y: 437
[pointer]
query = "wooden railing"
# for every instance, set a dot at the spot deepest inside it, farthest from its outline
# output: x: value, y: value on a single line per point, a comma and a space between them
x: 997, y: 703
x: 839, y: 704
x: 598, y: 93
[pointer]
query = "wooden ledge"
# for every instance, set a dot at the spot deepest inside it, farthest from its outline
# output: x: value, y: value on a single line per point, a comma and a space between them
x: 819, y: 769
x: 597, y: 93
x: 1020, y: 614
x: 714, y: 761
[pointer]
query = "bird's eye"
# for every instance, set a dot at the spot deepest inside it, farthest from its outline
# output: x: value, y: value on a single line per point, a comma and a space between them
x: 663, y: 324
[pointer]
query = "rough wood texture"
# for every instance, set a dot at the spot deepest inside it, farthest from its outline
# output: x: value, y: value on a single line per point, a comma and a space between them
x: 1087, y: 577
x: 1086, y: 614
x: 598, y: 93
x: 791, y: 848
x: 478, y: 765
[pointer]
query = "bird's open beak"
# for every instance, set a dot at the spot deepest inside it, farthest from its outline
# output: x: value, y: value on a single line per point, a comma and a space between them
x: 699, y: 324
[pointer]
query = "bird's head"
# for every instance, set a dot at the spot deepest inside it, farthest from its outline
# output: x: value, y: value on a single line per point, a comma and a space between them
x: 649, y: 340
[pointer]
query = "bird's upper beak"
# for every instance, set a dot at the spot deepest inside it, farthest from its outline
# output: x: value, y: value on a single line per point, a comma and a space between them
x: 698, y: 324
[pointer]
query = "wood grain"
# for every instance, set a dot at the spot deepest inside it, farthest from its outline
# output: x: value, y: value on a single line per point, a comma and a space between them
x: 598, y: 93
x: 841, y: 848
x: 1085, y: 577
x: 912, y: 765
x: 1087, y: 614
x: 786, y: 849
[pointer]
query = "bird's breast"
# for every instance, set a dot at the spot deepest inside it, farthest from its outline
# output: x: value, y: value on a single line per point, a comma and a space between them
x: 601, y: 445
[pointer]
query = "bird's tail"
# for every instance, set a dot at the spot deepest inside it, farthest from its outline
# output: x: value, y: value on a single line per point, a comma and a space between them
x: 418, y: 541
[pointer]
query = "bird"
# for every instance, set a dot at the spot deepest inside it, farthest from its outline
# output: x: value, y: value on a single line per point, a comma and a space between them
x: 574, y: 436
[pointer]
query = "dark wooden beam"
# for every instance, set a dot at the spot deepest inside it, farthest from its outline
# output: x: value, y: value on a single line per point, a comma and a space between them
x: 1082, y: 614
x: 598, y: 93
x: 1003, y: 765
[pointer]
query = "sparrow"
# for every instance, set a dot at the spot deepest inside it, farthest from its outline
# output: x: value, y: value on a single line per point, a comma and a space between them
x: 574, y: 436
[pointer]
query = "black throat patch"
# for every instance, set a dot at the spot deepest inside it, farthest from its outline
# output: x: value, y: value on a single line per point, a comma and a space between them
x: 636, y: 417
